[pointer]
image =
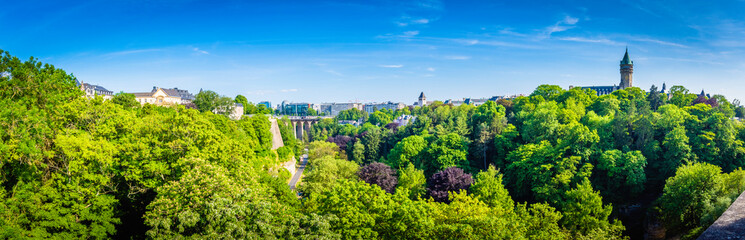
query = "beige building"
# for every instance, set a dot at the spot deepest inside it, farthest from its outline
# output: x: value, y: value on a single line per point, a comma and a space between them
x: 159, y: 96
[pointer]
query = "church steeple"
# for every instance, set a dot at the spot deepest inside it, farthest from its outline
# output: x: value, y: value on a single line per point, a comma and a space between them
x: 627, y: 71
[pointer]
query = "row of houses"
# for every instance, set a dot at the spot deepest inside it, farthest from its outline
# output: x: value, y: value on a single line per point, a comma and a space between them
x: 333, y: 109
x: 157, y: 96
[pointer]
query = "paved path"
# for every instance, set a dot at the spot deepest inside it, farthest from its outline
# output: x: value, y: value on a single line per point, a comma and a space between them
x: 299, y: 172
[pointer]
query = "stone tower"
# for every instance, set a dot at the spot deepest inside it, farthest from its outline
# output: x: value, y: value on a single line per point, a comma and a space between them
x: 422, y: 99
x: 627, y: 71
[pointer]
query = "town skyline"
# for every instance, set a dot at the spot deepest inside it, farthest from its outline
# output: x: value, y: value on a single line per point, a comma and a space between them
x: 381, y: 51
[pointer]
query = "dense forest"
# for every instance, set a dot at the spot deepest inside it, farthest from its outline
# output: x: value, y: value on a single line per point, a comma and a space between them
x: 558, y: 164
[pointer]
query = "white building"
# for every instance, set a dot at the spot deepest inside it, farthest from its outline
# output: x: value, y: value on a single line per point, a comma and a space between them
x: 160, y: 96
x: 333, y: 109
x: 92, y: 91
x: 372, y: 107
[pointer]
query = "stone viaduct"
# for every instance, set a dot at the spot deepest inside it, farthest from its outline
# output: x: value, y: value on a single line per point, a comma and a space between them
x: 302, y: 124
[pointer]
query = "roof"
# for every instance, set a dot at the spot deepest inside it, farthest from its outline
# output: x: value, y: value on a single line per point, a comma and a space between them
x: 421, y: 95
x: 143, y: 94
x: 171, y: 92
x: 626, y: 60
x: 96, y: 88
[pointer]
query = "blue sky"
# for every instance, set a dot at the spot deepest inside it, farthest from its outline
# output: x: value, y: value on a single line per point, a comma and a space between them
x: 380, y: 50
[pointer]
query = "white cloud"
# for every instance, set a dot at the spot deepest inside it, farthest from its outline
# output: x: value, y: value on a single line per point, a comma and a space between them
x: 659, y: 42
x: 470, y: 41
x: 289, y: 90
x: 392, y: 66
x: 570, y: 20
x: 508, y: 31
x: 589, y: 40
x: 563, y: 25
x: 406, y: 21
x: 431, y: 69
x: 201, y: 51
x: 457, y: 57
x: 335, y: 73
x: 410, y: 33
x: 128, y: 52
x: 421, y: 21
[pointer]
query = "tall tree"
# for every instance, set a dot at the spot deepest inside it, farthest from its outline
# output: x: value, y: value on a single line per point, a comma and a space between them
x: 654, y: 99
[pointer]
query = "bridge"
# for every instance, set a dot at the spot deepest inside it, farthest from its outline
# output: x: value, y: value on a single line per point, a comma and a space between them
x: 731, y: 225
x: 301, y: 124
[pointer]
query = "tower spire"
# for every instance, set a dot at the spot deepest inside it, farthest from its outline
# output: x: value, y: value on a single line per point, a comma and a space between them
x: 627, y: 70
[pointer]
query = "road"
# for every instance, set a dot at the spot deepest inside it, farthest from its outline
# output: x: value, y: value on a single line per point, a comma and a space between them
x: 299, y: 172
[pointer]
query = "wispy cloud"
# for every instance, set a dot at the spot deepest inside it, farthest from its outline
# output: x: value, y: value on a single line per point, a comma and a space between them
x: 130, y: 52
x: 197, y: 50
x: 421, y: 21
x: 406, y: 21
x: 565, y: 24
x: 410, y: 33
x: 457, y: 57
x: 508, y: 31
x: 589, y: 40
x: 505, y: 44
x: 435, y: 5
x: 431, y: 69
x: 640, y: 8
x: 392, y: 66
x: 659, y: 42
x: 334, y: 72
x: 288, y: 90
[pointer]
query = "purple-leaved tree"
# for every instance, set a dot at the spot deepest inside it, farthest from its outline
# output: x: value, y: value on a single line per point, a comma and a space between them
x: 379, y: 174
x: 450, y: 179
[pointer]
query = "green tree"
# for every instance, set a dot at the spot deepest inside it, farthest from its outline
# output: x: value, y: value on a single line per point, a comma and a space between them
x: 323, y: 173
x: 447, y: 151
x: 320, y: 149
x: 411, y: 182
x: 209, y: 101
x: 541, y: 123
x: 127, y: 100
x: 248, y: 108
x: 488, y: 188
x: 621, y: 175
x: 358, y: 152
x: 676, y: 152
x: 654, y: 99
x: 681, y: 97
x: 407, y: 151
x: 584, y: 211
x: 548, y: 92
x: 360, y: 208
x: 380, y: 118
x: 687, y: 194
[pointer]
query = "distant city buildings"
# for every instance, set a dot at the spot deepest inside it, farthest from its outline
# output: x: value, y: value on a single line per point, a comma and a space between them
x: 372, y: 107
x: 333, y: 109
x: 478, y: 101
x: 266, y: 103
x: 295, y: 109
x: 92, y: 91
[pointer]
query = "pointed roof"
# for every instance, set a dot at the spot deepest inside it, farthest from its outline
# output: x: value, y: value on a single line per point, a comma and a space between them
x: 421, y: 95
x: 626, y: 59
x: 702, y: 93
